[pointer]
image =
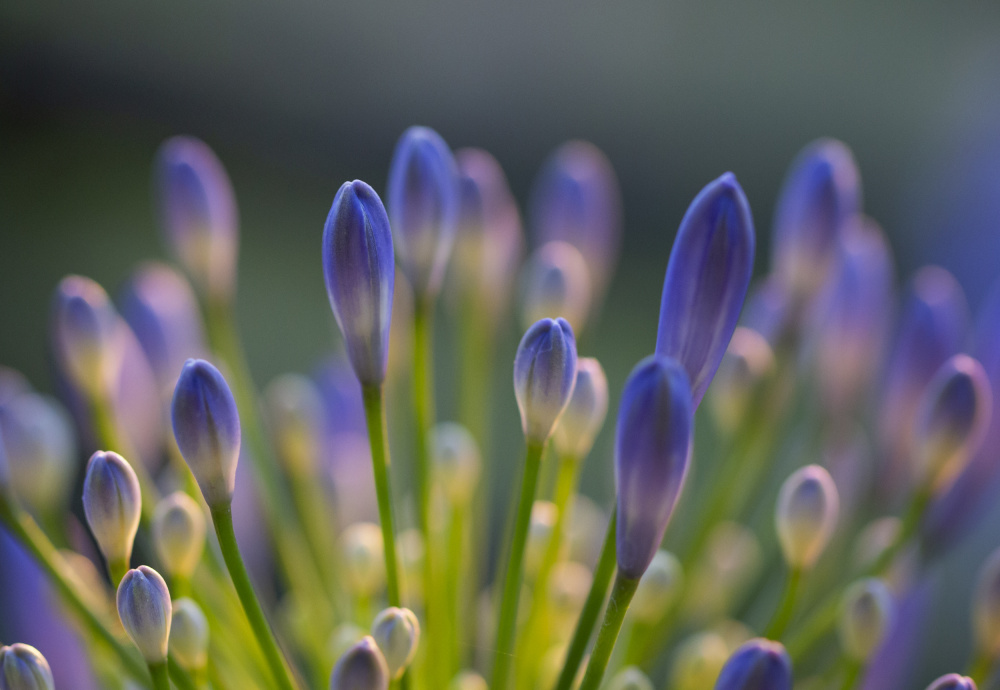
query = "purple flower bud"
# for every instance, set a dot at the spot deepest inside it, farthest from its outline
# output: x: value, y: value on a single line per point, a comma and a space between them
x: 757, y: 665
x: 295, y: 413
x: 866, y: 614
x: 806, y: 515
x: 556, y: 282
x: 145, y: 611
x: 85, y: 335
x: 707, y: 279
x: 362, y: 667
x: 207, y: 429
x: 953, y: 681
x: 198, y: 213
x: 112, y: 502
x: 584, y: 416
x: 544, y: 376
x: 821, y: 192
x: 423, y: 201
x: 22, y: 667
x: 359, y: 269
x: 576, y: 199
x: 652, y: 453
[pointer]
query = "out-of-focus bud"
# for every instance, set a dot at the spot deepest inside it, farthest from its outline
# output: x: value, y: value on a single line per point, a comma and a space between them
x: 874, y: 539
x: 198, y: 214
x: 652, y: 453
x: 555, y: 283
x: 179, y: 533
x: 362, y: 667
x: 544, y: 376
x: 569, y: 584
x: 630, y: 678
x: 707, y: 279
x: 207, y: 429
x: 953, y: 681
x: 758, y: 665
x: 22, y: 667
x: 731, y: 561
x: 468, y: 680
x: 360, y: 270
x: 397, y: 633
x: 986, y: 607
x: 40, y: 448
x: 584, y: 415
x: 585, y: 528
x: 748, y: 359
x: 658, y: 588
x: 145, y: 611
x: 364, y: 565
x: 422, y: 192
x: 821, y: 192
x: 806, y: 516
x: 295, y: 409
x: 112, y: 502
x: 85, y: 336
x: 866, y: 615
x: 576, y: 199
x: 189, y: 635
x: 456, y: 461
x: 951, y: 420
x: 849, y: 322
x: 543, y: 521
x: 698, y: 662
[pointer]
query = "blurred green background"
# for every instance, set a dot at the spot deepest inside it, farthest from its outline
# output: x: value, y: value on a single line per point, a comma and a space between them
x: 296, y: 97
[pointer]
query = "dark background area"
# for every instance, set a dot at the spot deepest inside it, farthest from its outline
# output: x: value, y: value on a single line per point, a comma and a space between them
x: 296, y: 97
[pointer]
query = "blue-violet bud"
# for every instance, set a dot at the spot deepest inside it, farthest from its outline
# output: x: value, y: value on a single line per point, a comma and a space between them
x: 556, y: 282
x: 544, y: 376
x: 85, y: 336
x: 362, y: 667
x: 397, y: 633
x: 145, y: 611
x: 112, y: 502
x: 757, y: 665
x: 806, y: 515
x: 953, y: 681
x: 584, y: 416
x: 22, y: 667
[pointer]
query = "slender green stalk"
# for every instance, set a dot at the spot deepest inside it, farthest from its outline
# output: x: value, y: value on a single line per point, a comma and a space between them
x: 614, y: 616
x: 786, y: 607
x: 979, y: 669
x: 455, y: 588
x: 506, y: 630
x: 181, y: 678
x: 161, y: 680
x: 222, y: 518
x: 852, y: 672
x: 606, y: 564
x: 117, y: 569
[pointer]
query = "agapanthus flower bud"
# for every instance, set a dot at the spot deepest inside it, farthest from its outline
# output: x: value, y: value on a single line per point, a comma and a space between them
x: 189, y: 635
x: 362, y: 667
x: 658, y: 588
x: 85, y: 335
x: 821, y: 192
x: 630, y: 678
x: 986, y: 607
x: 112, y: 502
x: 145, y: 611
x: 953, y: 681
x: 748, y: 359
x: 758, y: 665
x: 468, y: 680
x: 866, y: 614
x: 198, y: 213
x: 179, y: 529
x: 544, y: 376
x: 698, y: 661
x: 556, y: 282
x: 584, y: 415
x: 359, y: 269
x: 22, y: 667
x: 951, y: 420
x: 543, y: 522
x: 207, y: 428
x: 707, y: 279
x: 295, y: 411
x: 397, y: 633
x: 576, y: 199
x: 456, y: 461
x: 652, y: 453
x: 806, y: 515
x: 364, y: 564
x: 422, y: 192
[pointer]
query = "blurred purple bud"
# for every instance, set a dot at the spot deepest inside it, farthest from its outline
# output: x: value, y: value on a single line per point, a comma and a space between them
x: 821, y: 192
x: 953, y: 681
x: 556, y: 282
x: 706, y: 282
x: 757, y: 665
x: 198, y: 214
x: 112, y: 502
x: 22, y: 667
x: 145, y: 611
x: 806, y: 515
x: 422, y: 192
x: 652, y: 453
x: 584, y: 416
x: 207, y: 428
x: 895, y: 659
x: 747, y: 360
x: 544, y: 376
x: 85, y: 335
x: 866, y: 614
x: 295, y: 413
x: 362, y: 667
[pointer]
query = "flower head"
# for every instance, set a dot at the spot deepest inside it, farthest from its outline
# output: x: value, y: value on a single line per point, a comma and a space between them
x: 22, y: 667
x: 544, y: 376
x: 362, y: 667
x: 179, y: 533
x: 556, y: 282
x: 757, y: 665
x: 584, y: 416
x: 866, y: 615
x: 397, y: 633
x: 808, y: 507
x: 85, y: 336
x: 145, y: 611
x: 188, y: 640
x: 953, y: 681
x: 112, y: 502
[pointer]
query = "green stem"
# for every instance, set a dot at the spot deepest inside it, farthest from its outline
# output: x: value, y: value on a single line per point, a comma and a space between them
x: 161, y: 681
x: 506, y: 630
x: 786, y: 608
x: 222, y: 518
x: 180, y: 676
x: 979, y: 669
x: 605, y: 568
x: 117, y: 569
x: 614, y: 616
x: 455, y: 587
x: 852, y: 671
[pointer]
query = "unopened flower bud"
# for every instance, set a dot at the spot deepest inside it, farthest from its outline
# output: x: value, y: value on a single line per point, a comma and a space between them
x: 112, y: 502
x: 359, y: 267
x: 556, y: 282
x: 456, y: 461
x: 747, y: 361
x: 22, y: 667
x: 468, y: 680
x: 698, y: 662
x: 758, y: 665
x: 397, y: 633
x: 866, y: 615
x: 953, y: 681
x: 145, y: 611
x: 630, y: 678
x: 364, y: 564
x: 179, y: 533
x: 986, y: 607
x: 657, y: 588
x: 189, y: 635
x: 543, y: 521
x: 362, y: 667
x: 584, y: 415
x: 652, y: 453
x: 207, y: 428
x: 808, y: 507
x: 544, y: 376
x: 85, y: 336
x: 295, y: 408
